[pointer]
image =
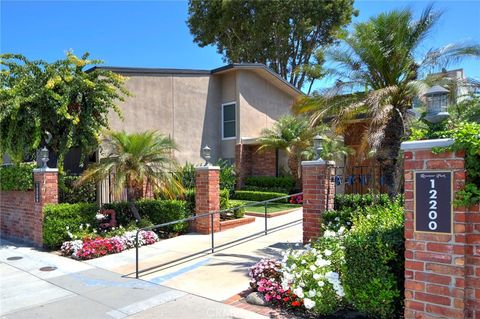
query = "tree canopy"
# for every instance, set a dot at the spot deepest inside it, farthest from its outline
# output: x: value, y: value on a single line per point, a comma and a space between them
x: 284, y: 35
x: 38, y: 98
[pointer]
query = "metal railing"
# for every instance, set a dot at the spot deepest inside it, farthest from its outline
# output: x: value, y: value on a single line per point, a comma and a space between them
x: 211, y: 214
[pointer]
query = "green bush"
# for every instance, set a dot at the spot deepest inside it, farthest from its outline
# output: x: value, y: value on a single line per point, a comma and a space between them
x: 270, y: 183
x: 70, y: 193
x: 347, y: 207
x: 17, y: 177
x: 189, y: 197
x: 374, y: 261
x: 164, y: 211
x: 257, y: 196
x: 60, y: 219
x: 227, y: 175
x: 237, y: 208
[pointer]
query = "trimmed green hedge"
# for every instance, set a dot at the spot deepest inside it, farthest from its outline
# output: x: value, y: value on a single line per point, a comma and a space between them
x: 57, y: 217
x: 189, y: 197
x: 269, y: 183
x: 17, y: 177
x: 373, y: 274
x: 257, y: 196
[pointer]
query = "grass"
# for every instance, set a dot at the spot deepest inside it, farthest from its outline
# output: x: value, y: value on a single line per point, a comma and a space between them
x: 271, y: 208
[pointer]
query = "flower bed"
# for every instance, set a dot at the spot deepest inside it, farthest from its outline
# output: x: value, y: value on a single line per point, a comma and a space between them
x: 89, y: 248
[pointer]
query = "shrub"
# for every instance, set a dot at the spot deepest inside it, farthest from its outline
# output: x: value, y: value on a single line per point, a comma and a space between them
x: 374, y: 256
x: 259, y: 196
x: 187, y: 173
x: 270, y: 183
x: 347, y: 207
x: 70, y: 193
x: 314, y: 275
x: 60, y: 219
x: 237, y: 208
x: 17, y: 177
x: 189, y: 196
x: 227, y: 175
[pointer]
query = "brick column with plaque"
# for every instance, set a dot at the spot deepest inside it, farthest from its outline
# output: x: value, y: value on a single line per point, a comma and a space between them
x: 439, y: 255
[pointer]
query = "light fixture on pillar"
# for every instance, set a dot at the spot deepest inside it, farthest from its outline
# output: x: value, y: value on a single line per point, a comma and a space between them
x: 437, y: 104
x: 44, y: 156
x: 317, y: 145
x: 207, y: 154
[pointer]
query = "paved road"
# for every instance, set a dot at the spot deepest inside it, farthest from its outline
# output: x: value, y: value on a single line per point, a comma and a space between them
x: 79, y: 290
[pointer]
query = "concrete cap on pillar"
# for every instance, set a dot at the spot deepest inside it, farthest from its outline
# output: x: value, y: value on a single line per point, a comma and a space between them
x: 317, y: 162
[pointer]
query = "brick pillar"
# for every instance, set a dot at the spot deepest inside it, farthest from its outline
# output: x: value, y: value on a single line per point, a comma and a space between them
x: 207, y: 198
x: 436, y: 264
x: 318, y: 195
x: 45, y: 182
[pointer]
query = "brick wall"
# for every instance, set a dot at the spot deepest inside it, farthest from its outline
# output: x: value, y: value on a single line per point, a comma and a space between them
x: 249, y: 161
x: 441, y: 270
x: 21, y: 217
x: 16, y: 215
x: 207, y: 198
x: 318, y: 196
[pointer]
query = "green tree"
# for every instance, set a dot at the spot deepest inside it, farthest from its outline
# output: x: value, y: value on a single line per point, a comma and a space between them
x: 292, y: 134
x: 37, y: 97
x: 136, y: 159
x: 378, y: 60
x: 281, y: 34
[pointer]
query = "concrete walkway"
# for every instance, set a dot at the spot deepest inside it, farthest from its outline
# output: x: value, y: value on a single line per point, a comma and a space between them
x: 36, y: 284
x: 215, y: 276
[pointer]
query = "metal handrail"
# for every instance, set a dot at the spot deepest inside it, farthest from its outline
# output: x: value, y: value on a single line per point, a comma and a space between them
x: 211, y: 214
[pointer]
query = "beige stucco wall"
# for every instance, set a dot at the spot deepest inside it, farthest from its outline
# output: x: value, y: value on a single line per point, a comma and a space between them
x: 229, y: 94
x: 260, y: 103
x: 184, y: 107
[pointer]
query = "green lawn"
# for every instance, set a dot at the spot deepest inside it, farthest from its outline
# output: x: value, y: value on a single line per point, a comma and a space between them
x: 271, y: 208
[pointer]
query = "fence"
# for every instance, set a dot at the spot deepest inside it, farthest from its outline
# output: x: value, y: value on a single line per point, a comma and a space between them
x: 358, y: 179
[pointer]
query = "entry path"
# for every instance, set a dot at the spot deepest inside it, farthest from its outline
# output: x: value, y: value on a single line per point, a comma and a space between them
x: 74, y: 289
x: 215, y: 276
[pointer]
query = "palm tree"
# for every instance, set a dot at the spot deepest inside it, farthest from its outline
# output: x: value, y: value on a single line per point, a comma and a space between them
x: 292, y: 134
x: 377, y: 63
x: 333, y: 149
x: 136, y: 159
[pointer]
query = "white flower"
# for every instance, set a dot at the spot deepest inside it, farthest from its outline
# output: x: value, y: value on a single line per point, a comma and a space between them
x: 302, y: 284
x: 327, y: 252
x: 308, y: 303
x: 321, y: 284
x: 67, y: 227
x: 320, y: 262
x: 81, y: 226
x: 299, y: 292
x: 313, y: 268
x: 293, y: 266
x: 337, y: 219
x: 316, y: 276
x: 303, y: 262
x: 329, y: 233
x: 308, y: 246
x: 312, y: 293
x: 341, y: 230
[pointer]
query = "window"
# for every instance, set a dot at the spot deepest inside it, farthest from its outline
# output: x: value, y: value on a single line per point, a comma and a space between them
x: 228, y: 121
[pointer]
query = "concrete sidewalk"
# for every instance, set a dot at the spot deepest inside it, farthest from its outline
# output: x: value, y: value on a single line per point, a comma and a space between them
x: 215, y: 276
x: 37, y: 284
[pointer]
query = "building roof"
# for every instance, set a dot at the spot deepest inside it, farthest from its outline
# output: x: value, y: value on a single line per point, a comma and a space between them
x: 229, y: 67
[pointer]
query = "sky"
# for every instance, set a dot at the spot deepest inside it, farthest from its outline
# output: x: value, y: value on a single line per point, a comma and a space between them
x: 155, y: 33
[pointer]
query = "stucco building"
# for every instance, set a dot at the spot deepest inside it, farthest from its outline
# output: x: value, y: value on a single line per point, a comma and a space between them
x: 225, y: 108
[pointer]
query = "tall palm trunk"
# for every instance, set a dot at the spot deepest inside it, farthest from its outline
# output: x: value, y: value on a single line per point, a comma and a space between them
x: 388, y: 155
x: 132, y: 196
x: 294, y: 169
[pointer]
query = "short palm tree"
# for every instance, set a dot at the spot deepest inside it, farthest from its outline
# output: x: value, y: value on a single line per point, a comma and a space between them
x: 378, y: 63
x: 292, y: 134
x: 136, y: 159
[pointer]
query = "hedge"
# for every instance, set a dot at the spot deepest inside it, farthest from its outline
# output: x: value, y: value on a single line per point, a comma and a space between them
x: 189, y: 197
x: 60, y: 216
x: 17, y: 177
x: 373, y: 276
x: 269, y: 183
x: 57, y: 217
x: 257, y: 196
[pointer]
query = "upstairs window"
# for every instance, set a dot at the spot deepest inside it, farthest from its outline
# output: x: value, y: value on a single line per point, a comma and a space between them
x: 229, y: 126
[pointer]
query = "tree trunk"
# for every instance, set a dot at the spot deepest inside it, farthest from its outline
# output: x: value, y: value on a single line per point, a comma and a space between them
x: 388, y: 154
x: 132, y: 196
x: 293, y: 166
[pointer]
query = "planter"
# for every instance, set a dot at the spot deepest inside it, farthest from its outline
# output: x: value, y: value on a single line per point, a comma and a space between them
x: 229, y: 224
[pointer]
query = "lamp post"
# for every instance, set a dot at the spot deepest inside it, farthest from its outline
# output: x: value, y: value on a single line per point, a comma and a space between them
x: 437, y: 104
x: 44, y: 156
x: 317, y: 145
x: 207, y: 154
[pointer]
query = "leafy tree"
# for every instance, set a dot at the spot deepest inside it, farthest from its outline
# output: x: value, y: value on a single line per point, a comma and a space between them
x: 136, y: 159
x: 37, y: 97
x: 292, y: 134
x: 281, y: 34
x: 378, y: 62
